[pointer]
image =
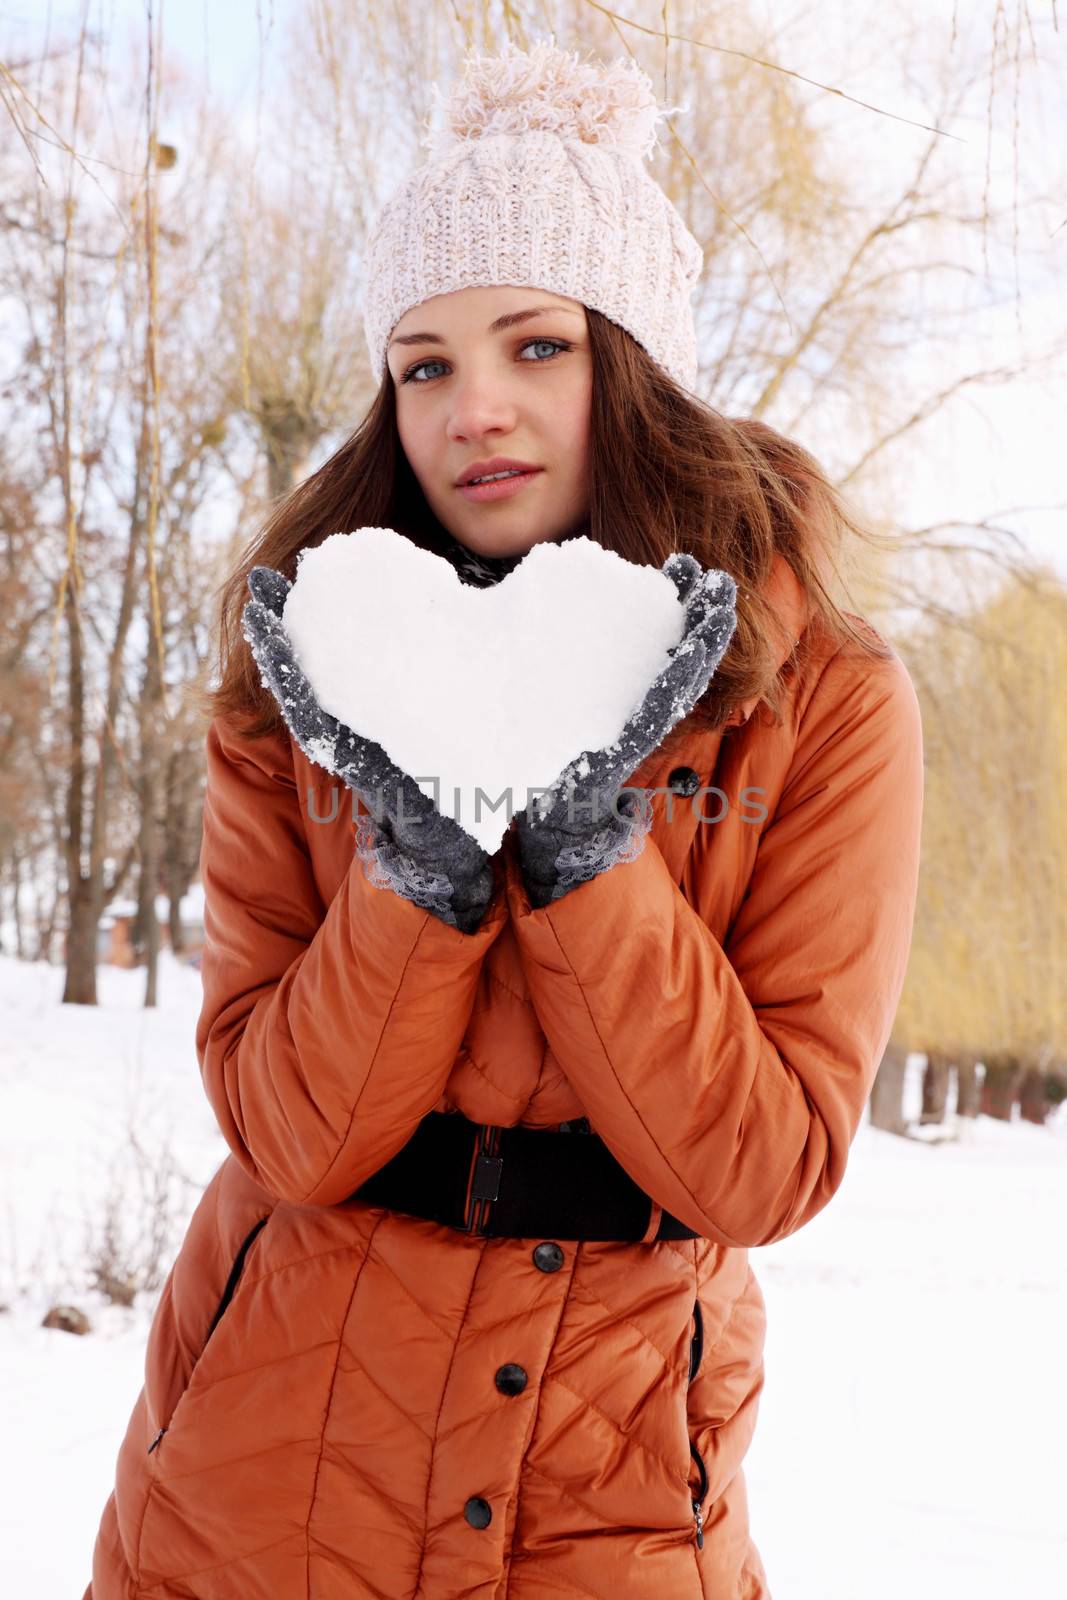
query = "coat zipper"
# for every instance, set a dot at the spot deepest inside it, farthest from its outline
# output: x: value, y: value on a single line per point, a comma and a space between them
x: 698, y: 1513
x: 235, y: 1273
x: 227, y: 1295
x: 696, y: 1346
x: 696, y: 1352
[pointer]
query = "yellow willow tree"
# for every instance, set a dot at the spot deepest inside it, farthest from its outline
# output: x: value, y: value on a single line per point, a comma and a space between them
x: 988, y: 970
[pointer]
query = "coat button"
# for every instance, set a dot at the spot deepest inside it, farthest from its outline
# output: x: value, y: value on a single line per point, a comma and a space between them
x: 548, y: 1258
x: 511, y: 1379
x: 683, y: 780
x: 478, y: 1512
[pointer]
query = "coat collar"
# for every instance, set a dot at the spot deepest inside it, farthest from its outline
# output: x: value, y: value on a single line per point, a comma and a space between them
x: 696, y: 747
x: 788, y: 598
x: 786, y: 595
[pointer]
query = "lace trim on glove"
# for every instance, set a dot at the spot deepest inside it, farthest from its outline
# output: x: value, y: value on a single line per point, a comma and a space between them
x: 386, y: 867
x: 622, y: 840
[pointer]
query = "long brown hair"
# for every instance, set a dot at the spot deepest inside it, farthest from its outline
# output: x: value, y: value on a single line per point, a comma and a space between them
x: 667, y: 472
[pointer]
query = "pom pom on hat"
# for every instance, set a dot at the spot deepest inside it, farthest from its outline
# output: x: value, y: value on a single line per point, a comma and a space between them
x: 548, y: 90
x: 538, y: 177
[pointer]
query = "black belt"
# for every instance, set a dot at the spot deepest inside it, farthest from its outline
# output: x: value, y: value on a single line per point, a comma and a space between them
x: 518, y: 1183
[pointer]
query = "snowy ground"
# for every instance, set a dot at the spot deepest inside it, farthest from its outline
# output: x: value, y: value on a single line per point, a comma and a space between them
x: 913, y: 1428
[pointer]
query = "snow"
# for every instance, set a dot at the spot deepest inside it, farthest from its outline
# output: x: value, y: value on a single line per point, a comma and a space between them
x: 496, y: 688
x: 911, y: 1437
x: 190, y: 908
x: 911, y: 1433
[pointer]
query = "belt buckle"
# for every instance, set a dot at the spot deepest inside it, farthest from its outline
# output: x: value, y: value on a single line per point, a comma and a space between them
x: 487, y: 1169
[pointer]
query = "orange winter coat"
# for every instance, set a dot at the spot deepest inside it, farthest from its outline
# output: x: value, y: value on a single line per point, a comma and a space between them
x: 319, y: 1402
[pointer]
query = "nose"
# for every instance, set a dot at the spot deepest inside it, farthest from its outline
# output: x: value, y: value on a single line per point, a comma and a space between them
x: 480, y: 406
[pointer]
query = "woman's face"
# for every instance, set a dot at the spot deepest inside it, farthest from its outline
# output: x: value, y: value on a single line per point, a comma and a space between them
x: 473, y: 382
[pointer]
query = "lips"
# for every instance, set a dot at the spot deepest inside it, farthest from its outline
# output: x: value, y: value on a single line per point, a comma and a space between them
x: 499, y: 488
x: 485, y: 469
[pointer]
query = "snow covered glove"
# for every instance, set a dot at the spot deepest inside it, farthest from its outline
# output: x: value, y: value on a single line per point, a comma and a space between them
x: 408, y: 845
x: 584, y: 825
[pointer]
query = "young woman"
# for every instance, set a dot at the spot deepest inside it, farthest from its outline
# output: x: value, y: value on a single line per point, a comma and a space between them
x: 468, y: 1308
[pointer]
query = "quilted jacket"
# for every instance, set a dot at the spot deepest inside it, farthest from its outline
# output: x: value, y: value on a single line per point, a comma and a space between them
x: 342, y: 1401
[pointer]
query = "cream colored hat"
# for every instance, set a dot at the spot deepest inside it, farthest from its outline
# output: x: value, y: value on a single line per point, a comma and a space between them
x: 538, y: 178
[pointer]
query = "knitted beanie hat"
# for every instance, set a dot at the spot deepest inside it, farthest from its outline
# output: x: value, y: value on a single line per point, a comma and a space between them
x: 538, y: 179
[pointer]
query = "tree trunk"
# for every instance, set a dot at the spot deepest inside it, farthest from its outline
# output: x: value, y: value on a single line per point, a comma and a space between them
x: 967, y: 1086
x: 79, y: 988
x: 935, y: 1087
x: 1056, y: 1086
x: 887, y: 1092
x: 14, y: 902
x: 287, y: 438
x: 181, y: 834
x: 1000, y: 1088
x: 1034, y: 1103
x: 146, y: 925
x: 81, y: 947
x: 46, y: 925
x: 16, y: 908
x: 175, y: 931
x: 151, y: 714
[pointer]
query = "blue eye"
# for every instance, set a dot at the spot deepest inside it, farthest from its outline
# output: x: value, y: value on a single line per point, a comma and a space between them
x: 558, y: 347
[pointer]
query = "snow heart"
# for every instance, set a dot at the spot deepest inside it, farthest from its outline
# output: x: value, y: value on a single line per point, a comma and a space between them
x: 482, y: 695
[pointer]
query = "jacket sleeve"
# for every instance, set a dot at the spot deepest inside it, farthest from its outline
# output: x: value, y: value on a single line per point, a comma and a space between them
x: 326, y: 1031
x: 729, y: 1080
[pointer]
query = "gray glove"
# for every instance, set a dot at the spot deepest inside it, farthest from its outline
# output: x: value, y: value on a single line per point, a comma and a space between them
x: 408, y: 845
x: 584, y: 826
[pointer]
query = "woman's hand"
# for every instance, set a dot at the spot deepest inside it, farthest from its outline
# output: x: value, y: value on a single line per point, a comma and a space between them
x: 578, y: 830
x: 409, y: 846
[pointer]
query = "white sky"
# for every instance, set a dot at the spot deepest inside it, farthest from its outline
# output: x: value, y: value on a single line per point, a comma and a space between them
x: 988, y: 450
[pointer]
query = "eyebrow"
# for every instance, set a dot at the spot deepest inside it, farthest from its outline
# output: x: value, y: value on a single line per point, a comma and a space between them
x: 507, y: 321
